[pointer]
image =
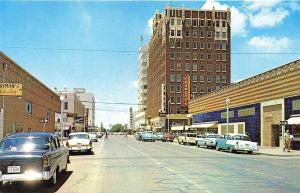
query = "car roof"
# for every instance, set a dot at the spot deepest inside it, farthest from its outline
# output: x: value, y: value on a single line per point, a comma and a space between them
x: 78, y: 133
x: 32, y: 134
x: 233, y: 134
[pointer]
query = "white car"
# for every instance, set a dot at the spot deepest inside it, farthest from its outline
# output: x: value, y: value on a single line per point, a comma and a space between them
x: 236, y: 142
x: 207, y: 140
x: 187, y: 138
x: 93, y: 136
x: 80, y: 142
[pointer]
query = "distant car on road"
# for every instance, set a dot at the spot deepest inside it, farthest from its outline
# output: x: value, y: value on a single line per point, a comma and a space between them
x: 207, y: 140
x: 138, y: 136
x: 236, y: 142
x: 93, y: 136
x: 187, y: 138
x: 148, y: 136
x: 159, y: 136
x: 32, y: 156
x: 79, y: 141
x: 99, y: 134
x: 168, y: 137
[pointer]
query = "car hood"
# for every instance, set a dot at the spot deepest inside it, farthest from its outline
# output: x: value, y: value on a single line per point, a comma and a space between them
x: 75, y: 141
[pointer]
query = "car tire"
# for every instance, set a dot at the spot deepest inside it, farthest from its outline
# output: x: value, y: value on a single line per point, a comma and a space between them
x: 217, y: 148
x: 53, y: 180
x: 250, y: 152
x: 231, y: 150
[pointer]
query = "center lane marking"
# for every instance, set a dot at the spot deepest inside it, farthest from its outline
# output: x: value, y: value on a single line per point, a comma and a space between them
x: 170, y: 170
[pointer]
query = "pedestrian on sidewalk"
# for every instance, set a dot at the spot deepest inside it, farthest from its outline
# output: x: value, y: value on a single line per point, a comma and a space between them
x: 287, y: 140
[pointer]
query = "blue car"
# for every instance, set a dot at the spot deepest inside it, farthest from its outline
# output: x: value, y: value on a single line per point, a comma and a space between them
x: 148, y: 136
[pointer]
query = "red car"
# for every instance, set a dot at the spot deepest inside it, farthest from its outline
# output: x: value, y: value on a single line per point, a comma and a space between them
x: 168, y: 137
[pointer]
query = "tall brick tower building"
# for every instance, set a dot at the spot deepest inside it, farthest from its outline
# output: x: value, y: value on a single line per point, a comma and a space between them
x: 189, y: 55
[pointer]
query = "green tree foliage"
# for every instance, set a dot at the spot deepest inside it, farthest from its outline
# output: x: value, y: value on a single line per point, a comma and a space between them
x: 117, y: 128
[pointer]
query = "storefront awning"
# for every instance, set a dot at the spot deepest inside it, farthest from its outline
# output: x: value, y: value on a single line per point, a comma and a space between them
x: 204, y: 125
x: 177, y: 128
x: 294, y: 120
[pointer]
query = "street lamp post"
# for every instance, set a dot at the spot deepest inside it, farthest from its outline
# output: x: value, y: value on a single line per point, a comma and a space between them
x: 84, y: 122
x: 169, y: 101
x: 227, y: 114
x: 61, y: 115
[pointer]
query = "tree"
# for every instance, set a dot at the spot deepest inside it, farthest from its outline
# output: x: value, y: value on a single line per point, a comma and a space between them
x: 117, y: 128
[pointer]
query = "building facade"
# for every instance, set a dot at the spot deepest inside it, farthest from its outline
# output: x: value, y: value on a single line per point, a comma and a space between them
x: 33, y: 111
x: 189, y: 56
x: 140, y: 114
x: 88, y: 100
x: 73, y: 112
x: 257, y: 105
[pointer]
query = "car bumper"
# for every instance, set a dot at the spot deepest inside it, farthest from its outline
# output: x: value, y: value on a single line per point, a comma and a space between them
x: 82, y: 148
x: 45, y: 175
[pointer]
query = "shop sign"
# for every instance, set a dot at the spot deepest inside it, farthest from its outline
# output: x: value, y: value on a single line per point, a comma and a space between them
x: 10, y: 89
x: 186, y: 90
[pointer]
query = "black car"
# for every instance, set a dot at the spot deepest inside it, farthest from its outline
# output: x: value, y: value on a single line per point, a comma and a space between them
x: 32, y: 156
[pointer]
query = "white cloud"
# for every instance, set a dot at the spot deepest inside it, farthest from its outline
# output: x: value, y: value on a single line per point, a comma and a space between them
x: 149, y: 26
x: 270, y: 44
x: 268, y: 18
x: 86, y: 21
x: 134, y: 84
x: 238, y: 18
x: 258, y: 4
x: 294, y: 5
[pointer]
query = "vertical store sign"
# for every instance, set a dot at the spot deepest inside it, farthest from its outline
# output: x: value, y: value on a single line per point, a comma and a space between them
x: 163, y: 98
x: 186, y: 90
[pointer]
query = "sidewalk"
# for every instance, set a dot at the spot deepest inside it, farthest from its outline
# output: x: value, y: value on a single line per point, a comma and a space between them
x: 277, y: 151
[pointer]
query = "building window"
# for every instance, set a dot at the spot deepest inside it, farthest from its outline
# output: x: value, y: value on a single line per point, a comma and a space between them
x: 201, y: 34
x: 194, y: 77
x: 178, y: 32
x: 209, y: 89
x: 194, y: 33
x: 66, y: 105
x: 172, y: 21
x: 209, y: 68
x: 218, y: 57
x: 187, y: 33
x: 194, y: 88
x: 223, y: 79
x: 224, y: 57
x: 178, y: 44
x: 217, y: 46
x: 202, y: 22
x: 246, y: 112
x: 209, y: 23
x: 194, y: 67
x: 296, y: 105
x: 172, y: 77
x: 178, y: 67
x: 218, y: 79
x: 209, y: 56
x: 172, y: 32
x: 223, y: 67
x: 172, y: 44
x: 187, y: 67
x: 188, y: 23
x: 178, y: 55
x: 178, y: 78
x: 209, y: 45
x: 223, y: 46
x: 187, y: 45
x: 209, y: 78
x: 172, y: 66
x: 224, y: 35
x: 224, y: 114
x: 194, y: 23
x: 201, y: 56
x: 178, y: 21
x: 201, y: 67
x: 217, y: 35
x: 217, y: 23
x: 172, y: 100
x: 178, y: 100
x: 223, y: 24
x: 187, y: 55
x: 172, y: 88
x: 201, y: 78
x: 194, y: 45
x: 218, y: 87
x: 209, y: 34
x: 218, y: 67
x: 194, y: 56
x: 201, y: 45
x: 201, y: 88
x: 172, y: 55
x: 178, y: 88
x: 28, y: 108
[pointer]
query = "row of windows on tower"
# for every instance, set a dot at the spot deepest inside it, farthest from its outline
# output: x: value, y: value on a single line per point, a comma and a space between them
x: 203, y: 34
x: 195, y: 67
x: 195, y: 56
x: 201, y: 45
x: 209, y: 78
x: 198, y: 22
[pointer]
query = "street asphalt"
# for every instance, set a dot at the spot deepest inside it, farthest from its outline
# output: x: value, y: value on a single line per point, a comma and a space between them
x: 125, y: 165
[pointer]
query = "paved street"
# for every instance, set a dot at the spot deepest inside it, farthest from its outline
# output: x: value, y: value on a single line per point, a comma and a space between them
x: 126, y: 165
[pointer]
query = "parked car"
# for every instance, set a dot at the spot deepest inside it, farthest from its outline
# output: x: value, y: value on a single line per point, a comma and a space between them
x: 93, y: 136
x: 207, y: 140
x: 168, y: 137
x: 32, y: 157
x: 148, y: 136
x: 159, y: 136
x: 99, y: 134
x: 236, y: 142
x: 79, y: 141
x: 187, y: 138
x: 138, y: 136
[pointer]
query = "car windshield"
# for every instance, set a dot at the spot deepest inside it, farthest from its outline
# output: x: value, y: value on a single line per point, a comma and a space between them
x: 26, y: 144
x: 79, y: 136
x: 241, y: 137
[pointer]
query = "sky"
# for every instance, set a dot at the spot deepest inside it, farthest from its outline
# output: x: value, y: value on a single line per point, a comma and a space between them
x: 94, y: 45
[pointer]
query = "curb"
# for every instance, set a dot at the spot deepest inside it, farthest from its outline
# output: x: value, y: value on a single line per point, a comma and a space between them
x: 275, y: 155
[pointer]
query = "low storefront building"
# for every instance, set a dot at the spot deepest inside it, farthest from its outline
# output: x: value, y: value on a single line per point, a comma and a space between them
x: 257, y: 105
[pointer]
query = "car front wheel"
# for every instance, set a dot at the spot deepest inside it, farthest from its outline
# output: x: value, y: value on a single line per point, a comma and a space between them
x: 250, y: 152
x: 53, y: 180
x: 217, y: 148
